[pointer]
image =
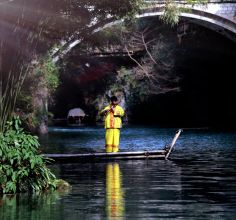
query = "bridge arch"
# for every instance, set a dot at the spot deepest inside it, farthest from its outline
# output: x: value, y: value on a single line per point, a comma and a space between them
x: 216, y: 22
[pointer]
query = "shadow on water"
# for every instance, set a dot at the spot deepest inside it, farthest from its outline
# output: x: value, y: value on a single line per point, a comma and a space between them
x: 199, y: 182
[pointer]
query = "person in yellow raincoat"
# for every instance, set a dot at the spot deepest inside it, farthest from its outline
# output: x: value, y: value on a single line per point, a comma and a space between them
x: 113, y: 114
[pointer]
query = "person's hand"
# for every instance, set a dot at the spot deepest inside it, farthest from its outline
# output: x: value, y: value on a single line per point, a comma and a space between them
x: 112, y: 109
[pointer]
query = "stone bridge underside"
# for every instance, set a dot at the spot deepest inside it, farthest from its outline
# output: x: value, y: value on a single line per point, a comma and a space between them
x: 217, y: 16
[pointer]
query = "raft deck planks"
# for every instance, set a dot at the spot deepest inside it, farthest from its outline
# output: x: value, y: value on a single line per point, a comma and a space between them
x: 107, y: 156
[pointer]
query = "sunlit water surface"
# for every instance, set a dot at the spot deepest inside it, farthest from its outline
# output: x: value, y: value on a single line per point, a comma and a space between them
x: 198, y: 182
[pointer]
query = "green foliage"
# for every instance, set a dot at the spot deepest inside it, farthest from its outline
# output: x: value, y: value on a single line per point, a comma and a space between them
x: 52, y: 76
x: 136, y: 89
x: 21, y: 167
x: 9, y: 90
x: 37, y: 92
x: 172, y: 10
x: 47, y: 71
x: 193, y: 2
x: 171, y: 14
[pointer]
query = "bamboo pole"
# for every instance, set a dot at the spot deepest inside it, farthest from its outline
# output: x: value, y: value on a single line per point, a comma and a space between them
x: 158, y: 154
x: 173, y: 143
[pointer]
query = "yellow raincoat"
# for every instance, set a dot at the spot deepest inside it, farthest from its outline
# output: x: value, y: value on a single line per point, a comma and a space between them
x: 113, y: 124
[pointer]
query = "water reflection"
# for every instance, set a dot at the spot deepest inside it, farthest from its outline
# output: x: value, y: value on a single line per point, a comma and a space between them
x: 31, y: 206
x: 115, y: 205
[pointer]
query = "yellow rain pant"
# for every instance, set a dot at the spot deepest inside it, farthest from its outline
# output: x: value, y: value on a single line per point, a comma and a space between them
x: 112, y: 140
x: 114, y: 192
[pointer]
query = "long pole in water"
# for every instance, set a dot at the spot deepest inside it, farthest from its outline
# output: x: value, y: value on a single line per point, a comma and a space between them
x: 173, y: 143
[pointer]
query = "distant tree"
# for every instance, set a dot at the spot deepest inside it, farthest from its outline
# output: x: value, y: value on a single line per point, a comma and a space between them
x: 155, y: 68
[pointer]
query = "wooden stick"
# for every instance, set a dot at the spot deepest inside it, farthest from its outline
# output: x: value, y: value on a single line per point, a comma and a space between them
x: 173, y: 143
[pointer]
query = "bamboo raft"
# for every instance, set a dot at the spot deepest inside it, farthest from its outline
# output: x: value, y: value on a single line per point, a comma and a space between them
x: 90, y: 157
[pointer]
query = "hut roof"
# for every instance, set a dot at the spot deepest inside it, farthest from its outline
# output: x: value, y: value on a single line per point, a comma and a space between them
x: 76, y: 112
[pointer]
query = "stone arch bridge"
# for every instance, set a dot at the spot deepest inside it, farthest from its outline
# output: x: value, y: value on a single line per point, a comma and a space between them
x: 217, y: 15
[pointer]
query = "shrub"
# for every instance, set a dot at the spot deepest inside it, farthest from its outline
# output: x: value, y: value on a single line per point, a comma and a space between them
x: 22, y: 168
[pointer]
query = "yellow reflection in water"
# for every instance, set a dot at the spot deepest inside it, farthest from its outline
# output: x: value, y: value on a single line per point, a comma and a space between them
x: 114, y: 192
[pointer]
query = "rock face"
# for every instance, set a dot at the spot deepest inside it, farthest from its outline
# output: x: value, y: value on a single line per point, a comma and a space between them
x: 43, y: 128
x: 40, y: 103
x: 62, y: 185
